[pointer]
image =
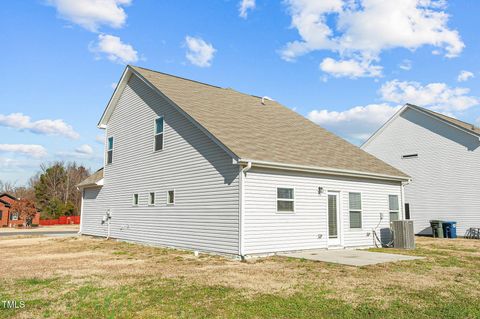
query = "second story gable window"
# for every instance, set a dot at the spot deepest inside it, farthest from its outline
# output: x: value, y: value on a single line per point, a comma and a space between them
x: 110, y: 150
x: 158, y: 140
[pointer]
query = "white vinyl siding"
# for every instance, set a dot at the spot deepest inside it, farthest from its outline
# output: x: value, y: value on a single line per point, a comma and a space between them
x: 206, y: 213
x: 266, y: 231
x: 445, y: 176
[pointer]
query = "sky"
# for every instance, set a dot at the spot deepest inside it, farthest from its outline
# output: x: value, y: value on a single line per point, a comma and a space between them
x: 347, y: 65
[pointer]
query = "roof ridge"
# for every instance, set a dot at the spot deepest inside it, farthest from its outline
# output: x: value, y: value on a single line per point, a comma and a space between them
x: 195, y: 81
x: 178, y: 77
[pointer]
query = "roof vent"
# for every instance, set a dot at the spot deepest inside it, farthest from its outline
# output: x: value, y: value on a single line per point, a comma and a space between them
x: 266, y: 98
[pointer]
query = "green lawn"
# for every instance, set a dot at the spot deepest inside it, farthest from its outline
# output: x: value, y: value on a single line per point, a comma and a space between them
x: 94, y: 278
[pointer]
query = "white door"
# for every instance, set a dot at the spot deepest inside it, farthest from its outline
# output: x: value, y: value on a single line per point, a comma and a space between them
x: 333, y: 219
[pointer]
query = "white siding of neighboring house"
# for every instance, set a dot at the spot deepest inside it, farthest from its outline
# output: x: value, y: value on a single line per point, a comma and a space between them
x: 267, y: 231
x: 206, y: 211
x: 446, y: 174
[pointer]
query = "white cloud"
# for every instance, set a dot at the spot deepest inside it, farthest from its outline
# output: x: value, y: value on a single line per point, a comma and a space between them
x: 350, y: 68
x: 244, y: 6
x: 47, y: 127
x: 91, y: 14
x: 406, y: 65
x: 438, y: 96
x: 100, y: 139
x: 199, y: 53
x: 465, y: 76
x: 25, y: 149
x: 115, y: 49
x: 357, y: 123
x: 84, y: 149
x: 362, y: 29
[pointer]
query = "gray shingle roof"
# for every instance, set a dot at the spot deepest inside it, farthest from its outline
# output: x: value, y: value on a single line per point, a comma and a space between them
x: 266, y: 132
x: 92, y: 180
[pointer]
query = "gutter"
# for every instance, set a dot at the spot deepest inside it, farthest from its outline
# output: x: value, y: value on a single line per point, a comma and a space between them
x: 323, y: 170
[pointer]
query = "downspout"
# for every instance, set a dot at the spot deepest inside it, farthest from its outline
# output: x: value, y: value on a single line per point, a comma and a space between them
x: 243, y: 176
x: 402, y: 194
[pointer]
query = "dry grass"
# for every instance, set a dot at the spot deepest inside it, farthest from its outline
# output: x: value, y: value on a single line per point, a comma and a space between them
x: 63, y: 266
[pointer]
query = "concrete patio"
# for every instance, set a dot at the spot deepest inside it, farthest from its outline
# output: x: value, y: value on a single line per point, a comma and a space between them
x: 348, y: 257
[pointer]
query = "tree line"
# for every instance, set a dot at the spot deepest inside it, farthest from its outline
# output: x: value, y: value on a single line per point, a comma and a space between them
x: 53, y: 189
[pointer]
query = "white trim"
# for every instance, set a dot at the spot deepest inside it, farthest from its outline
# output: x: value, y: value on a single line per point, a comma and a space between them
x: 355, y: 210
x: 102, y: 124
x: 81, y: 211
x: 285, y: 199
x: 155, y: 133
x: 174, y: 197
x: 323, y: 170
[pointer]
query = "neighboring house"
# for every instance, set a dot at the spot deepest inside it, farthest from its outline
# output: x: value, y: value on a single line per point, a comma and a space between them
x: 442, y: 155
x: 196, y: 166
x: 8, y: 218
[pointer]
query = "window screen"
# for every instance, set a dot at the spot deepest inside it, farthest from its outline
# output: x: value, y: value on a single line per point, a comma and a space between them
x: 355, y: 209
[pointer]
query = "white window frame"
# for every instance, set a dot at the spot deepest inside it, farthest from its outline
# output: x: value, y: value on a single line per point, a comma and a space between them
x: 355, y: 210
x: 155, y: 133
x: 393, y: 210
x: 16, y: 218
x: 285, y: 199
x: 133, y: 199
x: 150, y: 203
x: 108, y: 150
x: 174, y: 197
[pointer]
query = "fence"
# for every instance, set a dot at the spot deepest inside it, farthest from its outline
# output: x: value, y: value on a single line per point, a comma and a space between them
x: 62, y: 220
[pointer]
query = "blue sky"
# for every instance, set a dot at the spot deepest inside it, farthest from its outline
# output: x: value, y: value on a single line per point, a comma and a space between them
x: 347, y: 65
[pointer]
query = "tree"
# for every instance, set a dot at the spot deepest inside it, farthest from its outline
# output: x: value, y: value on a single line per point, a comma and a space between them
x: 25, y: 209
x: 55, y: 188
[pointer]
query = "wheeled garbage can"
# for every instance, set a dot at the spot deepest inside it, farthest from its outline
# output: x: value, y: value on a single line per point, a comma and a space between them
x: 437, y: 228
x: 449, y: 229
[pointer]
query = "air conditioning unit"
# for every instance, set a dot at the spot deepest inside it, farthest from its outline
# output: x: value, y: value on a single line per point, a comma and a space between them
x: 403, y: 234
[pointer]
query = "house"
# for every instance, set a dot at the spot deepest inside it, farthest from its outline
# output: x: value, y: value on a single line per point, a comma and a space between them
x: 11, y: 219
x: 442, y: 155
x: 196, y: 166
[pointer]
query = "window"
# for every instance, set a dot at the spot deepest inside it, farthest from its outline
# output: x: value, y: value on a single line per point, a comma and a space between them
x: 135, y: 200
x: 1, y: 215
x: 110, y: 150
x: 393, y: 207
x: 151, y: 199
x: 355, y: 208
x: 285, y: 200
x: 158, y: 141
x: 407, y: 211
x: 171, y: 197
x: 409, y: 156
x: 13, y: 216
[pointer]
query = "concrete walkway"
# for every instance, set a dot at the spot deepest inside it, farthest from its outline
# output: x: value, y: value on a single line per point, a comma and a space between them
x: 348, y: 257
x: 58, y: 230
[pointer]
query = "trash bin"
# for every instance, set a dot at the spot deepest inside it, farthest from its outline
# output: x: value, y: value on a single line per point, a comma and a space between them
x: 449, y: 229
x: 437, y: 229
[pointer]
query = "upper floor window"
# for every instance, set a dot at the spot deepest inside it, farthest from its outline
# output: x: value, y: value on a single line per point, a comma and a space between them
x: 14, y: 216
x: 393, y: 207
x: 355, y: 209
x: 285, y: 200
x: 110, y: 150
x: 158, y: 141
